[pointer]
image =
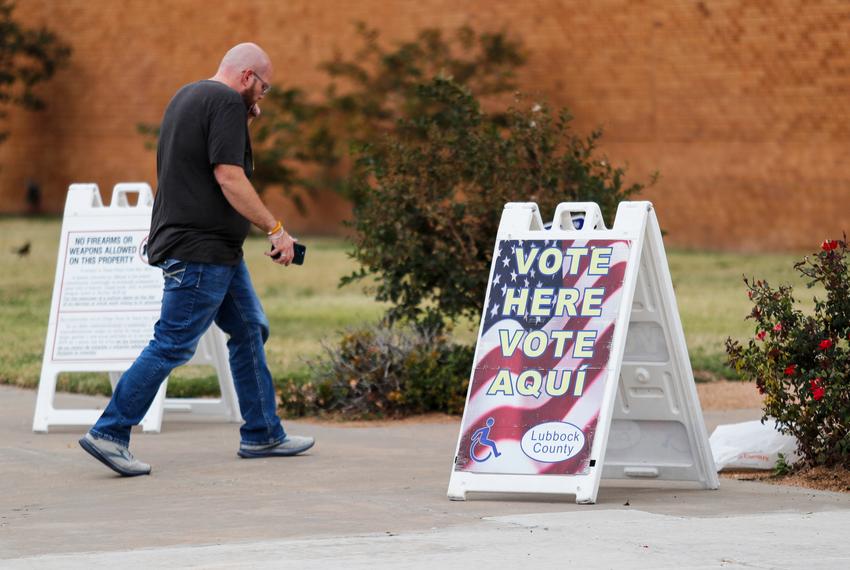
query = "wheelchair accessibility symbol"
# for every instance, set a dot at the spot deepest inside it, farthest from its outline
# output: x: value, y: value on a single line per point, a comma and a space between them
x: 482, y: 447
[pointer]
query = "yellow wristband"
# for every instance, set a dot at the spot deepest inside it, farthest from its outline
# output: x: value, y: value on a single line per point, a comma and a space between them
x: 277, y: 228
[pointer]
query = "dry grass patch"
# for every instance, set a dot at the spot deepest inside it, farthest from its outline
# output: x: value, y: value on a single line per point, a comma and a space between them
x: 836, y: 479
x: 729, y: 395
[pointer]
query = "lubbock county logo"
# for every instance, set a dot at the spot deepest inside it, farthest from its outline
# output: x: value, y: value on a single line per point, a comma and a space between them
x: 552, y: 442
x: 482, y: 447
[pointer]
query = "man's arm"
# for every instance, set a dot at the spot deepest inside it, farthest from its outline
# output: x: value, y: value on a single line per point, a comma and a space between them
x: 240, y: 193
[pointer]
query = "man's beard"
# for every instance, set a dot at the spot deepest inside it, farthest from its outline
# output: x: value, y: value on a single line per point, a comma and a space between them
x: 246, y: 98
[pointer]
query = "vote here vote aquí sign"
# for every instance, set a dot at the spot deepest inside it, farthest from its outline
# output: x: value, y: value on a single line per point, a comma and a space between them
x: 542, y: 356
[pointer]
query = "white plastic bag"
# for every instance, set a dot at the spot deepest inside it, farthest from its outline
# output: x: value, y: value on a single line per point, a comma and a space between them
x: 751, y: 445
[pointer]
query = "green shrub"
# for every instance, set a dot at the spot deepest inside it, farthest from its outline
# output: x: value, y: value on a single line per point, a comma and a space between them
x: 437, y: 379
x: 801, y: 363
x: 384, y: 372
x: 28, y: 56
x: 430, y: 202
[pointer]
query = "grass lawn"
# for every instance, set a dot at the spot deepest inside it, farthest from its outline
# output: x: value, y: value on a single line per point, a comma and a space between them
x: 306, y: 307
x: 713, y: 301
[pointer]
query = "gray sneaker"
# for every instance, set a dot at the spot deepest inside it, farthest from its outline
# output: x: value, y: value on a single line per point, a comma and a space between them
x: 115, y: 456
x: 292, y: 445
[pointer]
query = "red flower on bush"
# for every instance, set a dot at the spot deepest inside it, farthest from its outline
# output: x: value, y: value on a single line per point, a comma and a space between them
x: 778, y: 327
x: 761, y: 335
x: 816, y: 386
x: 790, y: 369
x: 829, y: 245
x: 825, y: 344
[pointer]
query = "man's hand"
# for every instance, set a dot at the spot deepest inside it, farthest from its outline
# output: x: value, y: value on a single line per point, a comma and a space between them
x: 283, y: 244
x: 253, y: 112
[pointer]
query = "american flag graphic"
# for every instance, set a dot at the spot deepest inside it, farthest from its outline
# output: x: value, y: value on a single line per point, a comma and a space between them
x: 504, y: 419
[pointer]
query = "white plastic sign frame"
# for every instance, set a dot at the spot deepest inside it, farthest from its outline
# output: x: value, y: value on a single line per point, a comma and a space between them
x: 644, y: 413
x: 106, y: 299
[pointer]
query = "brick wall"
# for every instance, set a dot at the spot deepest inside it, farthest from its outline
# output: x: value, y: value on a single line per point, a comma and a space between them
x: 742, y: 106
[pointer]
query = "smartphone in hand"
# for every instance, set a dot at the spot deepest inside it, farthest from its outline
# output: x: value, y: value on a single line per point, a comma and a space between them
x: 300, y: 252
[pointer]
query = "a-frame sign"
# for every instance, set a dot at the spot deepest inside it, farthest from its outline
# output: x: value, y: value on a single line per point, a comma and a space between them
x: 581, y: 370
x: 106, y: 299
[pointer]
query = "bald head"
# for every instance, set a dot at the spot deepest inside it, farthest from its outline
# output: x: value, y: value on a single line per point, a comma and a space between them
x: 242, y: 57
x: 247, y: 69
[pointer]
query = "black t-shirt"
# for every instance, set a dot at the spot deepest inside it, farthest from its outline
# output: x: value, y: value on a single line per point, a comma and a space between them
x: 204, y: 124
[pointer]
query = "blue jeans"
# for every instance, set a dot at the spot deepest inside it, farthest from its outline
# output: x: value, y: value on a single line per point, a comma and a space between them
x: 194, y: 296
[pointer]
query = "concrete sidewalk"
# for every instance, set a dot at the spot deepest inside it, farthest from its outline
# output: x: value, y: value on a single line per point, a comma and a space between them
x: 371, y: 496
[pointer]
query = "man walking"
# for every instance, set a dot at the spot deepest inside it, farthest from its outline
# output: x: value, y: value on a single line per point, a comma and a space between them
x: 203, y: 210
